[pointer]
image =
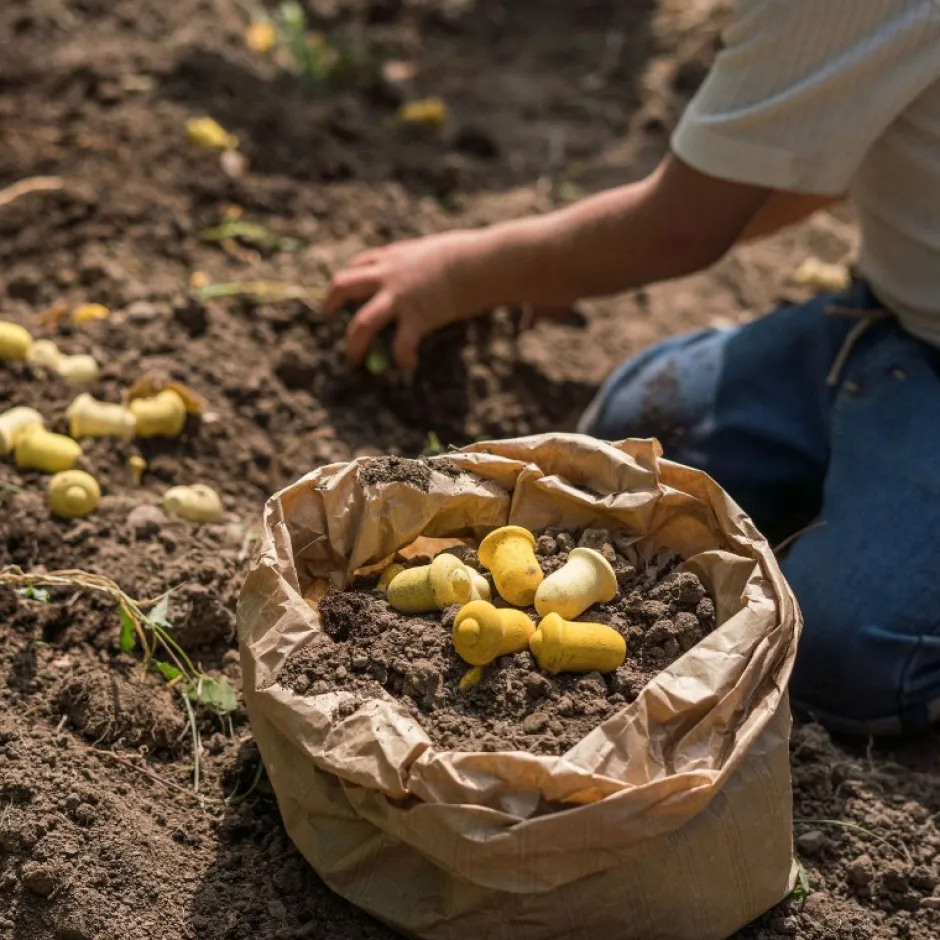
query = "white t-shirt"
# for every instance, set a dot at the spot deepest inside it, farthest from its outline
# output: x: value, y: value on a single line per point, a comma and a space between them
x: 829, y: 96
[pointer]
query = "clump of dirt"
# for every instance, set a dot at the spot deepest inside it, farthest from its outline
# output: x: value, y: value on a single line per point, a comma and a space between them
x: 373, y: 651
x: 107, y: 708
x: 417, y: 473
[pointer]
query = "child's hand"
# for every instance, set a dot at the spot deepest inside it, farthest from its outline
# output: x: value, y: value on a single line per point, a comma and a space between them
x: 423, y: 284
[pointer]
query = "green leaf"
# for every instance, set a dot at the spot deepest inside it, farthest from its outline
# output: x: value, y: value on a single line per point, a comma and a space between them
x: 168, y: 671
x: 128, y: 632
x: 378, y: 361
x: 432, y: 445
x: 215, y: 694
x: 158, y: 613
x: 802, y: 889
x: 34, y: 594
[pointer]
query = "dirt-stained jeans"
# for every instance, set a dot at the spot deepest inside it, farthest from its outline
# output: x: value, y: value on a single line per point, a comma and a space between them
x: 857, y: 458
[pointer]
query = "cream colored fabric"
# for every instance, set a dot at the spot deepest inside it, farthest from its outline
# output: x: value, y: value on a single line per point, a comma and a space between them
x: 824, y: 96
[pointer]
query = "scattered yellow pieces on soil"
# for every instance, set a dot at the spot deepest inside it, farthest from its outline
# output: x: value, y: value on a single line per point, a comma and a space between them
x: 470, y: 678
x: 426, y: 112
x: 89, y: 417
x: 208, y: 134
x: 15, y: 423
x: 560, y: 645
x: 822, y: 276
x: 39, y: 449
x: 164, y: 415
x: 137, y: 466
x: 261, y: 37
x: 73, y: 494
x: 508, y: 553
x: 430, y: 587
x: 586, y: 578
x: 15, y: 342
x: 483, y: 632
x: 196, y: 503
x: 88, y: 313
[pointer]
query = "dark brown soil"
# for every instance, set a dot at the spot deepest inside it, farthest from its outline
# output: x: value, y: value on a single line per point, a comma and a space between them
x: 375, y: 652
x: 100, y: 835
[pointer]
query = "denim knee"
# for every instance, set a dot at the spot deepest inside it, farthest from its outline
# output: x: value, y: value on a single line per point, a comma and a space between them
x: 860, y: 669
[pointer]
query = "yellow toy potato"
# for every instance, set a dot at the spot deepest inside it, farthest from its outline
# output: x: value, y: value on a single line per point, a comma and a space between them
x: 73, y: 494
x: 430, y: 587
x: 164, y: 415
x: 89, y: 417
x: 585, y: 578
x: 509, y: 554
x: 15, y: 342
x: 483, y: 632
x: 563, y: 646
x: 15, y: 423
x: 39, y: 449
x: 196, y: 503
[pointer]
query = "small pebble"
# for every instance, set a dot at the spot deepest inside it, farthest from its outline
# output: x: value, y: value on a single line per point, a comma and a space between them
x: 359, y: 661
x: 564, y: 542
x: 546, y: 546
x: 537, y: 685
x: 861, y: 871
x: 340, y: 673
x: 145, y: 521
x: 594, y: 538
x: 534, y: 724
x: 811, y: 842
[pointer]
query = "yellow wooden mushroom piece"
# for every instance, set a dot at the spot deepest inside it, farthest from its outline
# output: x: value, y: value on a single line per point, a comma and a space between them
x: 80, y: 369
x: 389, y: 575
x: 163, y: 415
x: 479, y: 586
x: 509, y: 554
x: 430, y: 587
x: 560, y: 645
x: 483, y: 632
x: 44, y: 354
x: 39, y: 449
x: 15, y: 342
x: 73, y: 494
x: 585, y: 578
x: 89, y: 417
x: 196, y: 503
x: 15, y: 423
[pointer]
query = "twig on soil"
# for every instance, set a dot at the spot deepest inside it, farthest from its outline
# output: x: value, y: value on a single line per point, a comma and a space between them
x: 156, y: 778
x: 152, y: 631
x: 900, y: 849
x: 191, y: 715
x: 35, y: 184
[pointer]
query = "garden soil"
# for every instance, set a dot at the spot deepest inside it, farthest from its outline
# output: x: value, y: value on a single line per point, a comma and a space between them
x: 370, y: 649
x: 101, y: 835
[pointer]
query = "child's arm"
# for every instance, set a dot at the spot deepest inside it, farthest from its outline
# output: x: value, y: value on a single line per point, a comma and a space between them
x: 676, y: 221
x: 781, y: 209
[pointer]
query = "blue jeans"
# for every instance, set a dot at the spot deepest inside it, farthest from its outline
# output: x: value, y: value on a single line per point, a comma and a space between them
x: 860, y: 454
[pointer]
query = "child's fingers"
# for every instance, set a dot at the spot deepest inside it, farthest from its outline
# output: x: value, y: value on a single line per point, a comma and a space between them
x: 405, y: 345
x: 366, y: 324
x: 348, y: 285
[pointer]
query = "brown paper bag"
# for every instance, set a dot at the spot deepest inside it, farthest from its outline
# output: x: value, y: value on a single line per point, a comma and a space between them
x: 672, y: 819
